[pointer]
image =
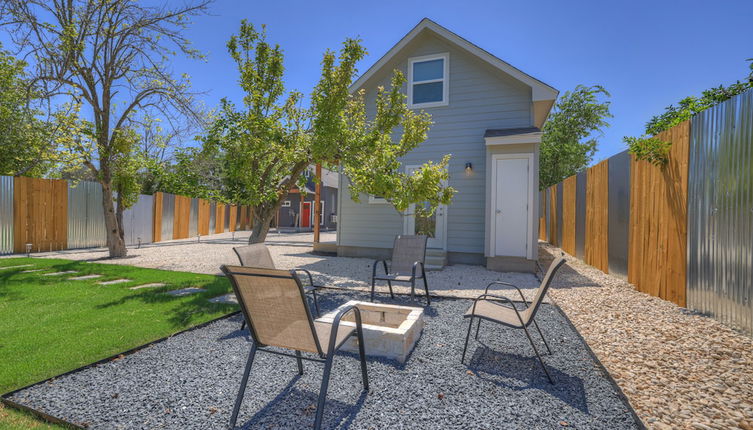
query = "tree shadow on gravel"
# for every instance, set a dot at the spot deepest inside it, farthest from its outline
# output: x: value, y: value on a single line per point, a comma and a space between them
x: 299, y: 409
x: 518, y: 373
x: 566, y: 277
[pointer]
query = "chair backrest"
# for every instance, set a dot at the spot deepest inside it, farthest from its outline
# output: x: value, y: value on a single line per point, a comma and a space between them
x: 530, y: 312
x: 256, y: 255
x: 406, y: 251
x: 275, y: 307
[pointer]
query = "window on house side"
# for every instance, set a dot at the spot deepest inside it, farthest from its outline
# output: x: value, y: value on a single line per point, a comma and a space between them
x: 286, y: 204
x: 428, y: 81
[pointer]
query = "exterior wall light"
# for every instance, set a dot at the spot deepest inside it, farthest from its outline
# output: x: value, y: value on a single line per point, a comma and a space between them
x: 468, y: 169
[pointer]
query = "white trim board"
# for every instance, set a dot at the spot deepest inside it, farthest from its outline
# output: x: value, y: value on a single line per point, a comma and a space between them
x: 530, y: 247
x: 539, y: 90
x: 515, y: 138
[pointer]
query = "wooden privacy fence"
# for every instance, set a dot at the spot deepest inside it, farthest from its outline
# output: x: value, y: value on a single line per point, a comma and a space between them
x: 44, y: 216
x: 632, y: 212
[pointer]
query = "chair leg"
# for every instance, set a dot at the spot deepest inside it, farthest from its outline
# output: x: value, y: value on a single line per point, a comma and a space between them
x: 426, y: 287
x: 323, y: 391
x: 413, y: 288
x: 242, y: 390
x: 389, y: 284
x: 362, y: 356
x: 478, y: 327
x: 535, y: 350
x: 243, y: 324
x: 373, y: 286
x: 300, y: 362
x: 467, y: 337
x: 542, y: 337
x: 316, y: 303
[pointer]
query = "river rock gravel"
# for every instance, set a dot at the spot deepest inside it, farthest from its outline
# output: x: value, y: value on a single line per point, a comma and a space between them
x: 680, y: 370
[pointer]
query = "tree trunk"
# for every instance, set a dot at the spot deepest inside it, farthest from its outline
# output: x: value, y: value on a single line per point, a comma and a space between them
x: 115, y: 243
x: 262, y: 219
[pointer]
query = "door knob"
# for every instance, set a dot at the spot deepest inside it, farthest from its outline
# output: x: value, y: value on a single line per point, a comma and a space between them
x: 499, y: 211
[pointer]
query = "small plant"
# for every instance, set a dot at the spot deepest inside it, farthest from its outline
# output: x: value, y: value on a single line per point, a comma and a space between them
x: 651, y: 149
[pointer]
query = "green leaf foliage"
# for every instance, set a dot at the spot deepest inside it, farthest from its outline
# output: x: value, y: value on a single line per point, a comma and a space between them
x: 569, y: 142
x: 648, y: 147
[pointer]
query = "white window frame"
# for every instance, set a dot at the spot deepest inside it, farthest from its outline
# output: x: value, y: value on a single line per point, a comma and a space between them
x: 285, y: 204
x: 321, y: 212
x: 445, y: 80
x: 373, y: 200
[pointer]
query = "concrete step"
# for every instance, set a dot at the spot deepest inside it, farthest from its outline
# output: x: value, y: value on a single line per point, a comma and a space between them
x: 436, y: 259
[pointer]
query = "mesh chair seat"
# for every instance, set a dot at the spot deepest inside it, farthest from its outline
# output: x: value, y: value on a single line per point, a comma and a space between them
x: 324, y: 331
x: 395, y: 277
x: 496, y: 312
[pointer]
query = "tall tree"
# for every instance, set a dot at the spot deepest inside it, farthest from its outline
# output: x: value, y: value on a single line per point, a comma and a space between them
x: 271, y: 141
x: 570, y: 135
x: 24, y: 138
x: 110, y: 59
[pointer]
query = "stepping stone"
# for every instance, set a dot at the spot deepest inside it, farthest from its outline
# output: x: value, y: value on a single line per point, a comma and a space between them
x: 114, y: 281
x: 82, y: 278
x: 32, y: 271
x: 227, y: 299
x: 185, y: 291
x: 152, y: 285
x: 15, y: 267
x: 59, y: 273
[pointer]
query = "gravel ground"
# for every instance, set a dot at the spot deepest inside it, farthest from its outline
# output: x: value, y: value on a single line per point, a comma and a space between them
x: 294, y: 251
x: 680, y: 370
x: 190, y: 380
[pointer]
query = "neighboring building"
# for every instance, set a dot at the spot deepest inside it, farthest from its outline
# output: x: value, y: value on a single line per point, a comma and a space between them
x: 488, y: 115
x: 297, y: 210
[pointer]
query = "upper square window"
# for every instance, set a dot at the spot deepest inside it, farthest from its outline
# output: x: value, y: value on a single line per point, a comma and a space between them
x: 428, y: 81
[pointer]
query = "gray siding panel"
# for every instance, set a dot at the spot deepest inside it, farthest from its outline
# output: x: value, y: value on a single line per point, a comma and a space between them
x: 580, y: 215
x: 138, y: 220
x: 86, y: 218
x: 480, y: 98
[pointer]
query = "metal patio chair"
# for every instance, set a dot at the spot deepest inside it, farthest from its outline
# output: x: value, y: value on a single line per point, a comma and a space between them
x: 502, y: 310
x: 257, y: 255
x: 273, y: 302
x: 406, y: 265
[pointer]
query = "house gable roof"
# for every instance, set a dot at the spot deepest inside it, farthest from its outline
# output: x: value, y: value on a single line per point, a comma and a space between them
x: 540, y: 91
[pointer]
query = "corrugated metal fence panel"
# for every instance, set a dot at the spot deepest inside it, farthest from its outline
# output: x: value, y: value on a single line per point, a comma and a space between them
x: 580, y: 215
x: 720, y: 212
x: 193, y: 218
x: 212, y: 215
x: 6, y: 215
x: 168, y: 213
x: 548, y: 210
x: 138, y: 221
x: 559, y: 214
x: 86, y: 218
x: 619, y: 213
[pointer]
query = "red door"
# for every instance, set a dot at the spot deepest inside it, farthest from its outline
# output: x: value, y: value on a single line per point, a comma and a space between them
x: 306, y: 215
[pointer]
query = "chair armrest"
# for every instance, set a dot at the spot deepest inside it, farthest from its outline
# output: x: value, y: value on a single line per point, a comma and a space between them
x: 336, y: 325
x: 374, y: 267
x: 308, y: 274
x: 522, y: 297
x: 503, y: 299
x: 415, y: 265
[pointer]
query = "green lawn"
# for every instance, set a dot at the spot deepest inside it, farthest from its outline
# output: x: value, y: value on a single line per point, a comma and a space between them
x: 50, y: 325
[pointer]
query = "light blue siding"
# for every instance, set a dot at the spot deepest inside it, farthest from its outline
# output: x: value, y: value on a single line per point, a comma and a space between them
x: 481, y: 97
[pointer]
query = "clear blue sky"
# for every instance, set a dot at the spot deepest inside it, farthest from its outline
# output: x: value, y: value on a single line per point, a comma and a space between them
x: 648, y: 54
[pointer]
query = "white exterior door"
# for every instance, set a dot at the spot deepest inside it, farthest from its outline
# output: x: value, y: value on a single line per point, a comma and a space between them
x: 432, y: 225
x: 510, y: 211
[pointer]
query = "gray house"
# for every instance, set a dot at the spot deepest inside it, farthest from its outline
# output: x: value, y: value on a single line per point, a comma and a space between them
x: 488, y: 115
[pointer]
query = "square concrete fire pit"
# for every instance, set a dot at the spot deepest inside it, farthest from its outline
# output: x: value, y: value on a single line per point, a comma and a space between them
x: 389, y: 331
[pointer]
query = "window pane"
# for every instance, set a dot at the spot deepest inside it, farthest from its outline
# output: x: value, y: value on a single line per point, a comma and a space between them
x: 427, y: 93
x: 425, y: 70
